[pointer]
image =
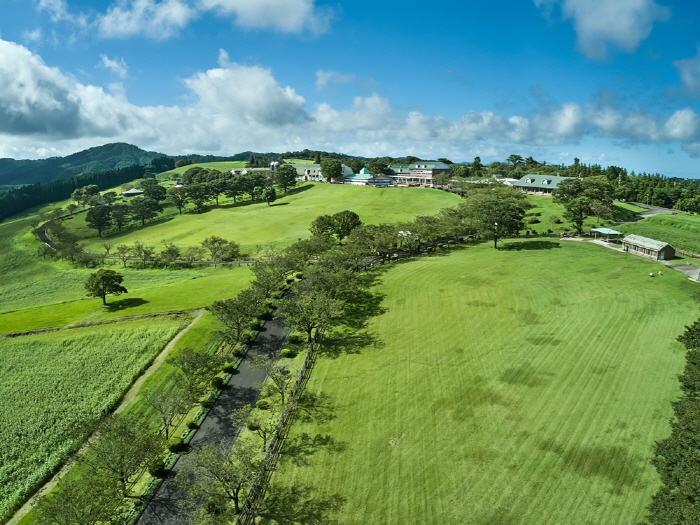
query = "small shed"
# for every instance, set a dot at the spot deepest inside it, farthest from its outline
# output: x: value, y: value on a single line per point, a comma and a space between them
x: 645, y: 246
x: 132, y: 193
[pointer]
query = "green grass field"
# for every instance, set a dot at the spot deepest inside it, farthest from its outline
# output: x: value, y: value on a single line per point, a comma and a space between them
x: 55, y: 383
x: 255, y: 225
x: 515, y: 386
x: 547, y: 208
x: 682, y: 230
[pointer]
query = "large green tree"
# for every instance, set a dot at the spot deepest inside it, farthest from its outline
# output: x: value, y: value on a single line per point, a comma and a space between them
x: 496, y: 211
x: 286, y: 177
x: 145, y: 209
x: 99, y: 218
x: 104, y: 282
x: 332, y: 169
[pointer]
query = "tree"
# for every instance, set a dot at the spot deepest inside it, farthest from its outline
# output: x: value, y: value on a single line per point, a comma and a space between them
x: 144, y: 209
x: 197, y: 366
x: 332, y: 169
x: 81, y: 499
x: 514, y: 159
x: 279, y: 377
x: 264, y: 424
x: 377, y: 167
x: 237, y: 313
x: 445, y: 161
x: 306, y: 312
x: 170, y: 253
x: 143, y: 252
x: 99, y: 218
x: 230, y: 472
x: 109, y: 197
x: 107, y: 245
x: 178, y: 197
x: 221, y: 249
x: 286, y: 177
x: 169, y: 404
x: 234, y: 188
x: 193, y: 254
x: 269, y: 194
x: 125, y: 445
x: 496, y: 211
x: 104, y: 282
x: 121, y: 215
x: 344, y: 222
x: 72, y: 207
x: 124, y: 253
x: 322, y: 225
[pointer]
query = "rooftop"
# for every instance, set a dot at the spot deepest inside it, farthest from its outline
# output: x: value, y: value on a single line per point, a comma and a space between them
x: 645, y: 242
x: 539, y: 181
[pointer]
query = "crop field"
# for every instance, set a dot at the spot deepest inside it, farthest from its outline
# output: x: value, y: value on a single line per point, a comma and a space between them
x: 513, y: 386
x: 56, y: 384
x: 256, y: 225
x: 682, y: 230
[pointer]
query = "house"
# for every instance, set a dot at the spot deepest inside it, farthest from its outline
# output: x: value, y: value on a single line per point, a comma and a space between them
x: 418, y: 174
x: 659, y: 250
x: 132, y: 193
x: 364, y: 178
x: 312, y: 172
x: 538, y: 184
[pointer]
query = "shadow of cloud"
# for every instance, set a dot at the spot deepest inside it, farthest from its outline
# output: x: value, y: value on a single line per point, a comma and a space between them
x: 300, y: 504
x: 123, y: 304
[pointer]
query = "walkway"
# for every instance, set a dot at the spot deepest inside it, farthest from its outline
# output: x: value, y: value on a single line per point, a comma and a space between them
x: 217, y: 427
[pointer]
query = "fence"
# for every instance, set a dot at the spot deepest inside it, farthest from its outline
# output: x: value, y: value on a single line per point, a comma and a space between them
x: 257, y: 491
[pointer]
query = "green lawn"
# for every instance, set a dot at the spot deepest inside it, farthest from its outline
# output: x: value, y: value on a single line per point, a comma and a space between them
x: 547, y: 208
x: 255, y: 225
x: 515, y: 386
x: 221, y: 166
x: 682, y: 230
x: 54, y: 384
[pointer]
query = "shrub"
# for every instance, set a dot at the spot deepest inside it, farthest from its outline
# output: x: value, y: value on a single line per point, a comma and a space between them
x: 254, y: 324
x: 287, y: 352
x: 240, y: 351
x: 217, y: 382
x: 263, y: 404
x: 298, y: 275
x: 157, y: 468
x: 251, y: 424
x: 289, y: 280
x: 176, y: 445
x: 533, y: 220
x: 246, y: 339
x: 228, y: 368
x: 192, y: 425
x: 537, y: 214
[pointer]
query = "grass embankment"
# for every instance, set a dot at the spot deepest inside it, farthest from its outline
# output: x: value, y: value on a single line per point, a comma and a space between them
x: 255, y: 225
x: 513, y: 386
x: 681, y: 230
x: 56, y: 385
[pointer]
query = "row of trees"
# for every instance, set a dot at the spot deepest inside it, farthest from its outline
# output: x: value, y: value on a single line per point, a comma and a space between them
x: 676, y: 458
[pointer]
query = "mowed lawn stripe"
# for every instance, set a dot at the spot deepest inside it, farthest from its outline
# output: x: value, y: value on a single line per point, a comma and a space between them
x: 531, y: 390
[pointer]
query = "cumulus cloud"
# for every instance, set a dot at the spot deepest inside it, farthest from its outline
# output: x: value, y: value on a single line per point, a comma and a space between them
x: 118, y: 67
x: 236, y: 107
x: 598, y: 23
x: 157, y: 20
x: 289, y: 16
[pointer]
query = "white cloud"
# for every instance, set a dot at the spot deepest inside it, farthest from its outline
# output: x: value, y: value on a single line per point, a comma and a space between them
x: 118, y: 67
x: 236, y: 108
x: 598, y: 23
x: 689, y: 69
x: 157, y: 20
x: 32, y: 36
x: 324, y: 78
x: 289, y: 16
x: 58, y: 10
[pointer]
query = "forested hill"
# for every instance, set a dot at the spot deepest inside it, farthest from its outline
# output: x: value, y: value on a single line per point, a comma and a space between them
x: 101, y: 158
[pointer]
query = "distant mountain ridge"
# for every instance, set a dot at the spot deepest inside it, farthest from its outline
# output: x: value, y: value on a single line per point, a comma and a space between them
x: 101, y: 158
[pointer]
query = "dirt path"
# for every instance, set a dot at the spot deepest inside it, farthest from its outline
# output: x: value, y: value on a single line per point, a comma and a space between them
x: 130, y: 395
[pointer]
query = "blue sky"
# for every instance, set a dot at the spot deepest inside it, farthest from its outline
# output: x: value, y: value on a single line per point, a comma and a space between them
x: 608, y: 81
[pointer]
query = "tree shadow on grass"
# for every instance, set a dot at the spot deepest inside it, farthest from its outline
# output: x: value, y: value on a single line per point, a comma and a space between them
x: 318, y: 408
x: 298, y: 189
x: 347, y: 340
x: 299, y: 504
x: 300, y: 448
x: 531, y: 245
x: 123, y: 304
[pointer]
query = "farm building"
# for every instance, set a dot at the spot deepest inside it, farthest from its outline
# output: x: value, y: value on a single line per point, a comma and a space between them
x: 648, y: 247
x: 132, y: 193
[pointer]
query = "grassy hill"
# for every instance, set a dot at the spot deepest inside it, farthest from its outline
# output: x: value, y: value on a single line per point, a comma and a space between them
x: 513, y: 386
x: 682, y: 230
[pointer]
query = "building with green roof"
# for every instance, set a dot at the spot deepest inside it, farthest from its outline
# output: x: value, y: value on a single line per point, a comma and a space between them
x: 538, y: 184
x: 659, y: 250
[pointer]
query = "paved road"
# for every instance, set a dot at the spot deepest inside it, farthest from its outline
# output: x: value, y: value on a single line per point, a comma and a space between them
x: 217, y: 427
x: 651, y: 211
